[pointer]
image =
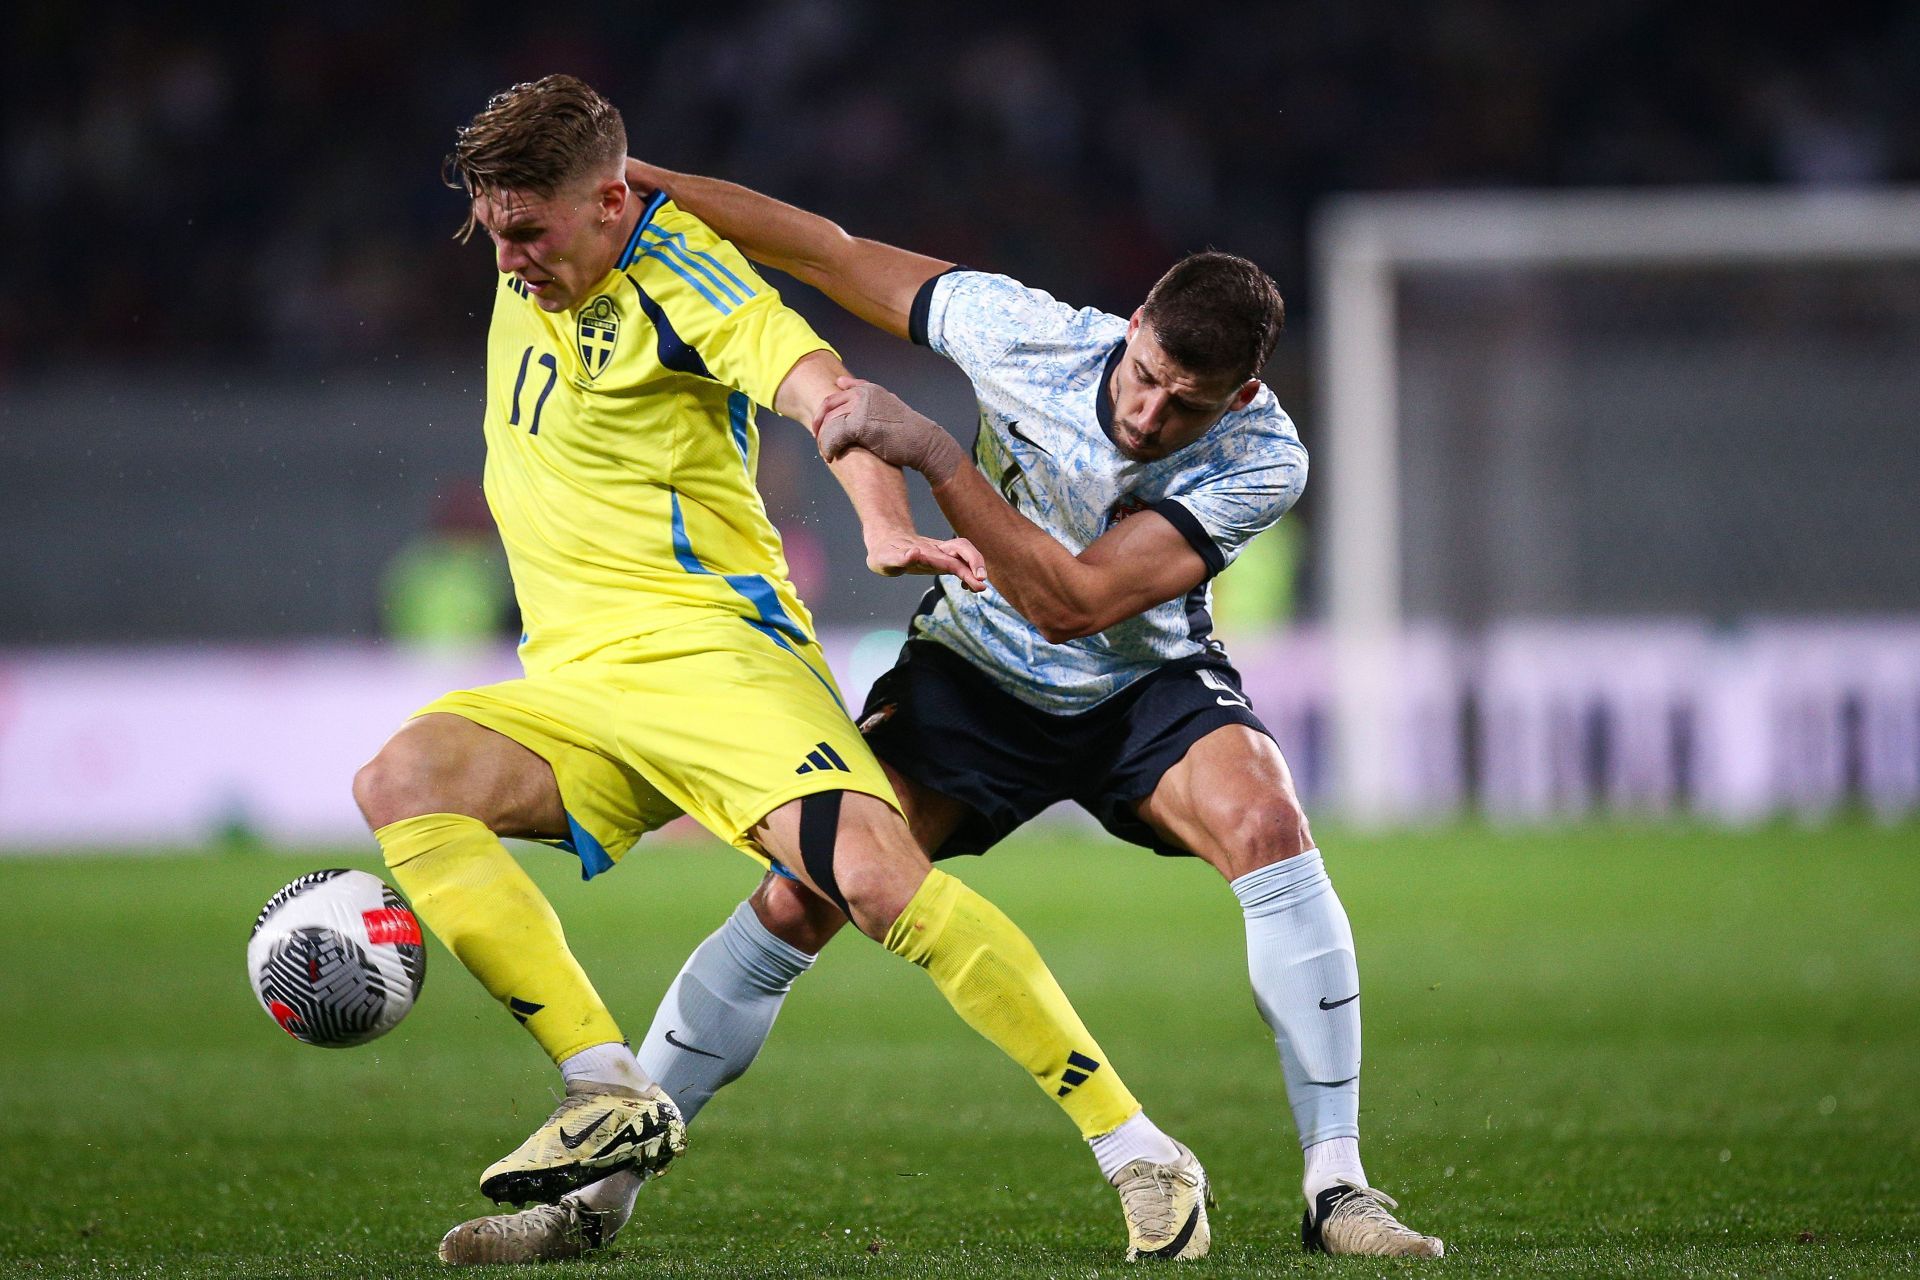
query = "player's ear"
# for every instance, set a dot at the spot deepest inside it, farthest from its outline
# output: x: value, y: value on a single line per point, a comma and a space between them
x: 613, y: 194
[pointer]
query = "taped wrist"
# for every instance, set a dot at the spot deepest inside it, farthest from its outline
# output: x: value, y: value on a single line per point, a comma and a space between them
x: 881, y: 423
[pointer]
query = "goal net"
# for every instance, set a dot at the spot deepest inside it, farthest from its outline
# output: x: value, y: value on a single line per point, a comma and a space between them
x: 1617, y: 454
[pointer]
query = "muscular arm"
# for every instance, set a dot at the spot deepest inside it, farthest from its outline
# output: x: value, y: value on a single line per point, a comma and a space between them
x: 1139, y: 563
x: 877, y: 491
x: 875, y: 281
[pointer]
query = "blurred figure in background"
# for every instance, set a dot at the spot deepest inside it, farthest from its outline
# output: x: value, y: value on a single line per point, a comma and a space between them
x: 448, y: 586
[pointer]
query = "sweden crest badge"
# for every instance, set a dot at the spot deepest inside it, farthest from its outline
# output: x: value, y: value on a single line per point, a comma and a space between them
x: 599, y: 329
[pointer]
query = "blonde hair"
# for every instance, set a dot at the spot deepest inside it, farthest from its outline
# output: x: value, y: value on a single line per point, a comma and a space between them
x: 536, y: 137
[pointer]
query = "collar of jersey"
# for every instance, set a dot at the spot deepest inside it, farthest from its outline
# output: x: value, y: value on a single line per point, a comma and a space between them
x: 633, y: 241
x: 1103, y: 404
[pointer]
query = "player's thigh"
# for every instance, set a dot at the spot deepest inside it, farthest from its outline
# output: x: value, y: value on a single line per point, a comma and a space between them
x: 1231, y: 801
x: 443, y: 762
x: 801, y: 916
x: 851, y: 846
x: 932, y: 815
x: 580, y: 794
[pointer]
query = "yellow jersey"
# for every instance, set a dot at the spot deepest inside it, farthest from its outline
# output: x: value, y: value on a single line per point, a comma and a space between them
x: 622, y: 447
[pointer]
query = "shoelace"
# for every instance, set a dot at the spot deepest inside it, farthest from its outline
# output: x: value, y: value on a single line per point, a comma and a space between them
x: 527, y: 1222
x: 1370, y: 1205
x: 1148, y: 1198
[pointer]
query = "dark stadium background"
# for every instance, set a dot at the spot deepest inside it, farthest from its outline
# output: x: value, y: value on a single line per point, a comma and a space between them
x: 238, y: 332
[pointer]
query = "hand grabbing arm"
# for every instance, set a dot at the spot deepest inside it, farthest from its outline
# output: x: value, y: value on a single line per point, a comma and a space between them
x: 1139, y: 563
x: 875, y: 487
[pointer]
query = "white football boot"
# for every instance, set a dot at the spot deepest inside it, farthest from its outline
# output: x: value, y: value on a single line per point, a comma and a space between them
x: 544, y: 1233
x: 1166, y: 1207
x: 1355, y: 1221
x: 595, y: 1131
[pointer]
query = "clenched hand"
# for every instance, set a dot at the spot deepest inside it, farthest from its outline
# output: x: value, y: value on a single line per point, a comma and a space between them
x: 865, y: 415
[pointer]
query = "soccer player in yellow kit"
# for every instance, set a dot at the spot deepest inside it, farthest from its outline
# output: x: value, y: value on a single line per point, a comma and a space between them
x: 670, y: 667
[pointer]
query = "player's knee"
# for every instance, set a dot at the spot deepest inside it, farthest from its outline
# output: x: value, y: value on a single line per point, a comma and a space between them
x: 795, y: 916
x: 1259, y: 831
x: 400, y: 782
x: 877, y: 864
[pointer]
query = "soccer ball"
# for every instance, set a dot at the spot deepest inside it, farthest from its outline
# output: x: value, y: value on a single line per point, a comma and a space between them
x: 336, y: 958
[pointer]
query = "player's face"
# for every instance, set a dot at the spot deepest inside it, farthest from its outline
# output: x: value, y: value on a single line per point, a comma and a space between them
x: 558, y: 245
x: 1159, y: 405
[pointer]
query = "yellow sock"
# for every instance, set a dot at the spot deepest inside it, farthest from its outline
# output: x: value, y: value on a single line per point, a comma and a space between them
x: 992, y: 976
x: 487, y: 910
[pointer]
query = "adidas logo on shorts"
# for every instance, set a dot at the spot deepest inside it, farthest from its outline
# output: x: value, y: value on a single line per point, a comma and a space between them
x: 823, y: 757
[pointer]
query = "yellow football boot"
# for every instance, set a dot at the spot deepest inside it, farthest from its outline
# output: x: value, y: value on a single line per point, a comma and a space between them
x: 590, y: 1135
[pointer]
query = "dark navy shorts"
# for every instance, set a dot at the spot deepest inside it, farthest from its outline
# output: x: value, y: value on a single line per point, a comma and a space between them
x: 942, y: 722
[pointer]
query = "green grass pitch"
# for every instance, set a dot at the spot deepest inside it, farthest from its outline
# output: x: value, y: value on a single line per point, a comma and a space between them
x: 1599, y: 1051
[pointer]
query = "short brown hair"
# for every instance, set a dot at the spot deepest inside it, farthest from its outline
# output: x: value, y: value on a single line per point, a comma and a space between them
x: 1214, y: 313
x: 536, y: 137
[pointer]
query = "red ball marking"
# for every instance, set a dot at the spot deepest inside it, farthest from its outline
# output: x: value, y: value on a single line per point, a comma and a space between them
x: 391, y: 925
x: 286, y: 1017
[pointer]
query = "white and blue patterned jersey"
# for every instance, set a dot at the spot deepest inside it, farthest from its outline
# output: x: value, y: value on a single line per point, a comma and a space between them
x: 1040, y: 370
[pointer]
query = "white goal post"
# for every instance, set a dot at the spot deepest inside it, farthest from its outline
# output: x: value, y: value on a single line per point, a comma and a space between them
x: 1361, y: 247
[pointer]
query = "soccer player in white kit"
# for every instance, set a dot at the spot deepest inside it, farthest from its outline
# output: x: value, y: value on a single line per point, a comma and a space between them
x: 1120, y: 463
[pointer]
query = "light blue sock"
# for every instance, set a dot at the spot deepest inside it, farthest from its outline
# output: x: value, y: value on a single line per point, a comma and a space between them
x: 719, y: 1010
x: 707, y: 1031
x: 1300, y: 958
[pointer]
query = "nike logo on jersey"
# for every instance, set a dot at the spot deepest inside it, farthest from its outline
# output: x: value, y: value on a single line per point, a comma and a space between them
x: 1231, y: 696
x: 1325, y: 1004
x: 682, y: 1044
x: 1013, y: 429
x: 572, y: 1140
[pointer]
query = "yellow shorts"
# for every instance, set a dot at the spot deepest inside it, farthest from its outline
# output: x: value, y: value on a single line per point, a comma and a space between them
x: 714, y: 718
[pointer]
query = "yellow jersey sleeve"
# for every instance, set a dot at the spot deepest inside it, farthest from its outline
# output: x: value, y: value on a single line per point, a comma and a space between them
x: 733, y: 321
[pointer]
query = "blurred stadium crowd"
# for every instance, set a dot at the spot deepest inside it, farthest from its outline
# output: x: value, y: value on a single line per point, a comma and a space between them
x: 258, y: 184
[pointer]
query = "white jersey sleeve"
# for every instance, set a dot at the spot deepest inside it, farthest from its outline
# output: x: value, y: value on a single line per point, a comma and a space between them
x: 975, y: 319
x: 1222, y: 513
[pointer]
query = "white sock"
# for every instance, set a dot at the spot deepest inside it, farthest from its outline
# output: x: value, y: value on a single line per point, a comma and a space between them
x: 1137, y: 1138
x: 611, y: 1063
x: 720, y: 1010
x: 612, y: 1198
x: 1335, y: 1160
x: 1305, y: 981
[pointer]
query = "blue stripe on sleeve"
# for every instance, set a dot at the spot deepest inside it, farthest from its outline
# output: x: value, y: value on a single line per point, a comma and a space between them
x: 703, y: 262
x: 656, y: 252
